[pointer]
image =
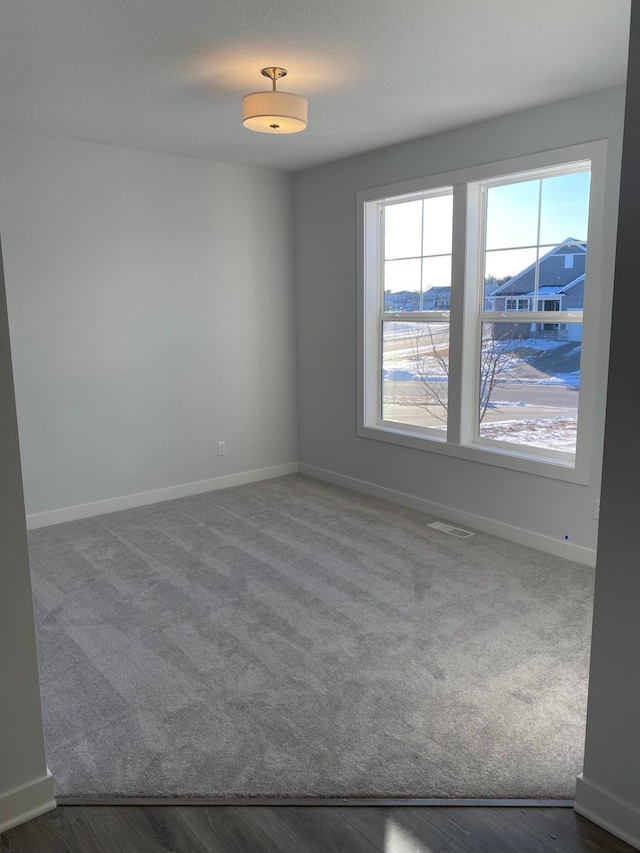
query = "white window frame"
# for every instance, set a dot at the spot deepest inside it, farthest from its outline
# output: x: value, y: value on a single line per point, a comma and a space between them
x: 461, y: 438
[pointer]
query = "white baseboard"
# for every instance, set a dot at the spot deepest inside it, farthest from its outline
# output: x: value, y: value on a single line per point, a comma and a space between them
x: 560, y: 548
x: 29, y: 801
x: 577, y: 553
x: 617, y: 816
x: 73, y: 513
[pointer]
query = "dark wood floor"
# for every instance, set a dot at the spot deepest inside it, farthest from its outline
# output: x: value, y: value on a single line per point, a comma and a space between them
x: 316, y: 829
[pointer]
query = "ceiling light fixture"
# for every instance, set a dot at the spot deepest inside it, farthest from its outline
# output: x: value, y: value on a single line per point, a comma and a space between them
x: 274, y: 112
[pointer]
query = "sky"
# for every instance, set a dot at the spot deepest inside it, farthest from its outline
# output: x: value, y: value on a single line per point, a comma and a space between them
x: 417, y: 252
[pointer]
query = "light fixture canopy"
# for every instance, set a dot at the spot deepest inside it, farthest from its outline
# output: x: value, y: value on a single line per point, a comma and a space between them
x: 274, y: 112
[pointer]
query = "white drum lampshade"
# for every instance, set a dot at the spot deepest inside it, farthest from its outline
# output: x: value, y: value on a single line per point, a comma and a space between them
x: 274, y: 112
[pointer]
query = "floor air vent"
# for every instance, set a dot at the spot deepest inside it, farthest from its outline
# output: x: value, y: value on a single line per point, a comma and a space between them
x: 453, y: 531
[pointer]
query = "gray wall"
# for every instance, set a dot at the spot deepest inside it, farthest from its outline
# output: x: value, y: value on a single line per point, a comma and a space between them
x: 22, y: 761
x: 325, y: 256
x: 612, y: 753
x: 151, y: 313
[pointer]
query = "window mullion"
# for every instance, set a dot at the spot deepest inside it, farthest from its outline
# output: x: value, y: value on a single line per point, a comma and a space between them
x: 536, y: 274
x: 456, y: 327
x: 473, y: 300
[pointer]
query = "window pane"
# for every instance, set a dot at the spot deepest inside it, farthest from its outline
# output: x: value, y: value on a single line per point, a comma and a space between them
x: 403, y: 230
x: 564, y: 208
x: 402, y: 285
x: 438, y: 225
x: 508, y: 274
x: 436, y: 283
x: 512, y: 215
x: 529, y: 384
x: 415, y: 371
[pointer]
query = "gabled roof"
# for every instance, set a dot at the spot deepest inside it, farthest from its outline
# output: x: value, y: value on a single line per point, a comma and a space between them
x: 561, y: 249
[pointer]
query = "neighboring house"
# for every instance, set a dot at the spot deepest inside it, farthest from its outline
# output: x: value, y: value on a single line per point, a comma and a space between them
x: 437, y: 299
x: 403, y: 300
x: 560, y: 288
x: 434, y: 299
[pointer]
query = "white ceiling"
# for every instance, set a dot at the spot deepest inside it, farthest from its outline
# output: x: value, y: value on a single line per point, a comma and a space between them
x: 169, y: 75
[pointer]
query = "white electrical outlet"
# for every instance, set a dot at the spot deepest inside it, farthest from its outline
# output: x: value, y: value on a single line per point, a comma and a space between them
x: 596, y: 509
x: 222, y: 448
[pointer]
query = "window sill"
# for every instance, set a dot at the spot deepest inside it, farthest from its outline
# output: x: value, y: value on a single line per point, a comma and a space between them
x: 528, y: 463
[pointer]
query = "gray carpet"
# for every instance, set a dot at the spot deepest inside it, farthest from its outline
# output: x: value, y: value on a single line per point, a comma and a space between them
x: 293, y: 638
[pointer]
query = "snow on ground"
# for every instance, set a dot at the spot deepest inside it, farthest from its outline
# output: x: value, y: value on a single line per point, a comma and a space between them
x: 572, y: 379
x: 553, y: 433
x: 550, y: 433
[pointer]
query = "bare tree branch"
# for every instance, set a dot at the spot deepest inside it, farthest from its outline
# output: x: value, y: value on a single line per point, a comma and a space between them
x: 430, y: 357
x: 500, y: 360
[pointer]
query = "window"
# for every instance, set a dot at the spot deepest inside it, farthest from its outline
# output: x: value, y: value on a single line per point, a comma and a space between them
x: 517, y: 305
x: 477, y: 320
